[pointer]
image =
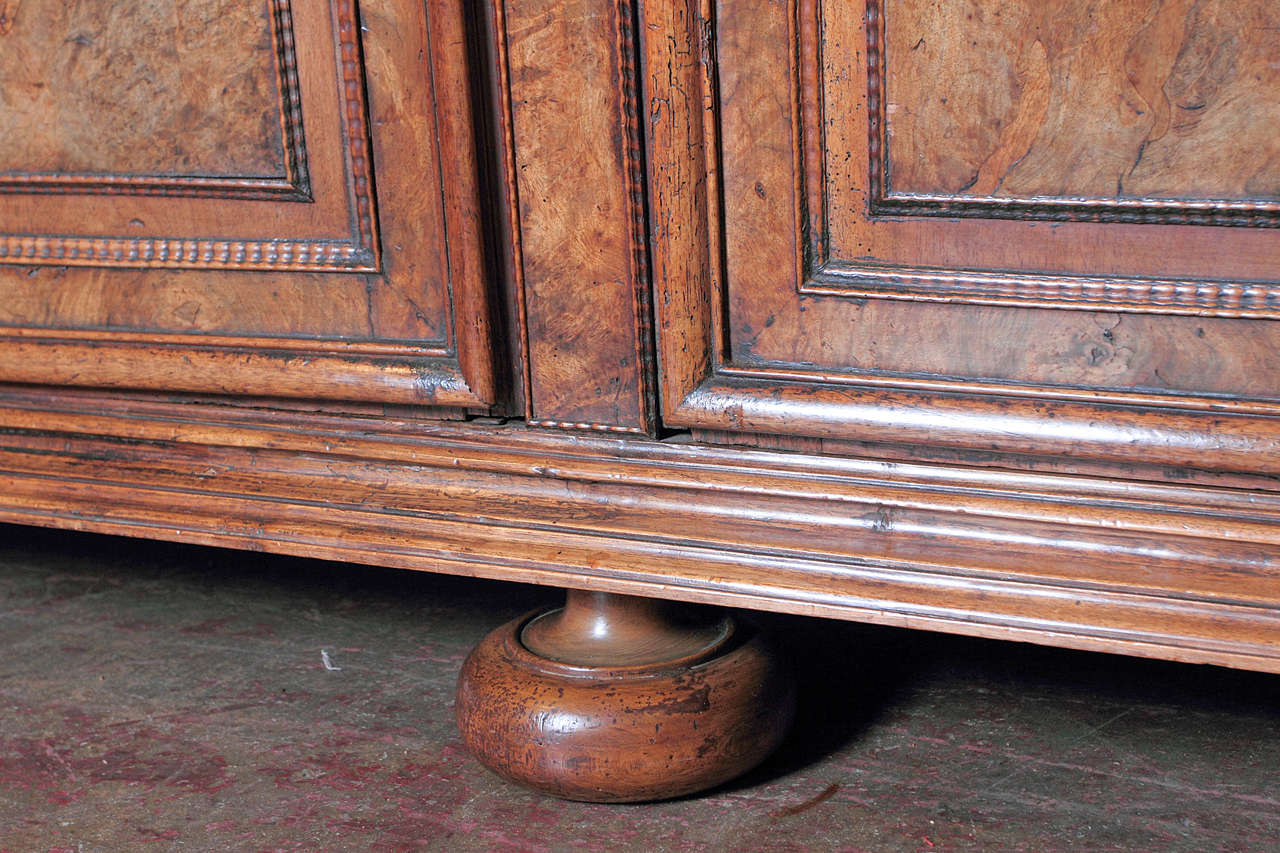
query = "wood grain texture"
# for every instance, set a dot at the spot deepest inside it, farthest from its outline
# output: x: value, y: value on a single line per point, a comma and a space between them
x: 1081, y: 100
x: 1183, y: 572
x: 695, y: 716
x: 916, y: 405
x: 155, y: 88
x: 948, y: 250
x: 244, y: 369
x: 810, y: 317
x: 414, y: 327
x: 318, y: 216
x: 683, y: 194
x: 572, y: 75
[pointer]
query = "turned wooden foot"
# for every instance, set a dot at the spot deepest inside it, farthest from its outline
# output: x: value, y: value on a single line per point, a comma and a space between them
x: 615, y: 699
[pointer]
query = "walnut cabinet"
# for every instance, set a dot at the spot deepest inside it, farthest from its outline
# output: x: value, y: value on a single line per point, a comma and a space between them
x: 961, y: 316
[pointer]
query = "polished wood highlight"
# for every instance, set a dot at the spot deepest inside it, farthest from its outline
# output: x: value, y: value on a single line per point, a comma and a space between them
x: 602, y: 629
x: 616, y: 699
x: 1181, y: 571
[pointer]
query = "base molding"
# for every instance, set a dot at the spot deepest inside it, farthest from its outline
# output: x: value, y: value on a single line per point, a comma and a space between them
x: 1184, y: 572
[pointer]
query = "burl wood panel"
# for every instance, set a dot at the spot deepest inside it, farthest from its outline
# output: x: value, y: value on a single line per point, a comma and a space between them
x: 581, y: 215
x: 790, y: 305
x: 326, y: 217
x: 768, y: 263
x: 160, y: 87
x: 407, y: 321
x: 1173, y: 99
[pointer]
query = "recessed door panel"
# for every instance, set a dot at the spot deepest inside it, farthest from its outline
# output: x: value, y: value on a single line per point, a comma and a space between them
x: 1014, y: 226
x: 291, y: 190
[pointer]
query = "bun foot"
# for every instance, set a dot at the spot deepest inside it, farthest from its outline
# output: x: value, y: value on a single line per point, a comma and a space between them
x: 616, y: 699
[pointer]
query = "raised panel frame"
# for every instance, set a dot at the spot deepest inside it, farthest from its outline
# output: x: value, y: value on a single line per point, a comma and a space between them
x: 703, y: 387
x: 919, y: 220
x: 464, y: 367
x: 341, y: 214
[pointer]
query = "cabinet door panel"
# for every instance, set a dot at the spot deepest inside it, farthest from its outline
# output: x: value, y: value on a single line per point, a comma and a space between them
x: 1119, y: 109
x: 268, y: 197
x: 1024, y: 227
x: 97, y: 90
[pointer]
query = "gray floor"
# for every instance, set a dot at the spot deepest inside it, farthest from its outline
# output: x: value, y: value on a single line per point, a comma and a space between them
x: 177, y: 697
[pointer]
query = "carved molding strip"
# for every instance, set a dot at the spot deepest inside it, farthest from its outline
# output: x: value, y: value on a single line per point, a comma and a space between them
x: 1127, y: 211
x: 355, y: 125
x: 1047, y: 290
x: 295, y: 147
x: 294, y: 186
x: 636, y: 189
x: 1181, y: 571
x: 160, y: 252
x: 885, y: 202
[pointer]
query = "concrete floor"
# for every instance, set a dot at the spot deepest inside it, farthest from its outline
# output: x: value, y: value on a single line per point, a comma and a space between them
x: 170, y: 697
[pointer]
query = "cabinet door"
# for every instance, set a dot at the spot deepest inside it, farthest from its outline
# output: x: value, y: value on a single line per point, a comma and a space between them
x: 253, y: 197
x: 1018, y: 226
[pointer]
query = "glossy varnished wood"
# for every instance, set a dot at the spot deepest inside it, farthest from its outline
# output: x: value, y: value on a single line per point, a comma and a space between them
x: 1167, y: 570
x: 789, y: 303
x: 325, y: 280
x: 601, y: 629
x: 918, y: 361
x: 620, y: 699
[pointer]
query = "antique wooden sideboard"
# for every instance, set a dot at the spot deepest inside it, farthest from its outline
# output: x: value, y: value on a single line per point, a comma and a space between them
x: 961, y: 316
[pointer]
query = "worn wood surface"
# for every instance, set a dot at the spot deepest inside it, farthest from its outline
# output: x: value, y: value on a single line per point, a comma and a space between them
x: 407, y: 305
x: 914, y: 366
x: 1183, y: 572
x: 1078, y: 99
x: 323, y: 220
x: 581, y: 213
x: 812, y: 312
x: 153, y: 88
x: 683, y: 195
x: 625, y: 699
